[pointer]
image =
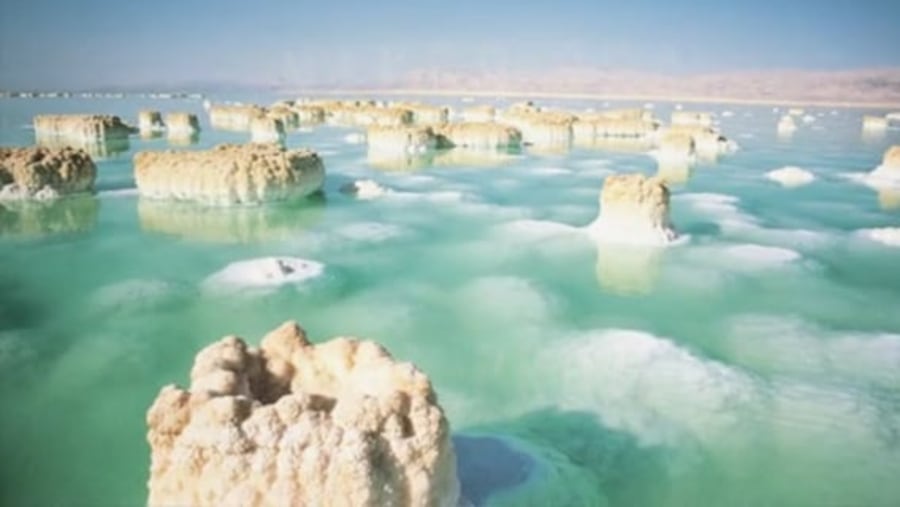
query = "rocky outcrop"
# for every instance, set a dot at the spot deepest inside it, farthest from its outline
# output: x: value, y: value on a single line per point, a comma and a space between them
x: 708, y: 142
x: 150, y: 122
x: 425, y: 114
x: 229, y: 174
x: 182, y: 125
x: 401, y: 140
x: 291, y: 423
x: 266, y: 129
x: 676, y: 146
x: 478, y: 135
x: 37, y: 172
x: 634, y: 210
x: 309, y: 114
x: 479, y: 114
x: 542, y: 128
x: 365, y: 114
x: 786, y: 125
x: 889, y: 170
x: 874, y: 123
x: 79, y: 127
x: 691, y: 118
x: 234, y: 117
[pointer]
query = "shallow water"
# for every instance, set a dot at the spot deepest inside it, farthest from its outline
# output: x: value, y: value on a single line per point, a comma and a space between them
x: 756, y: 364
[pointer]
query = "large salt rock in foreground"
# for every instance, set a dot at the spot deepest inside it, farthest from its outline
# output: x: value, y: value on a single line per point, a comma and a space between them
x: 889, y: 169
x: 634, y: 209
x: 229, y: 174
x: 478, y: 135
x: 44, y: 173
x: 81, y: 126
x: 340, y: 423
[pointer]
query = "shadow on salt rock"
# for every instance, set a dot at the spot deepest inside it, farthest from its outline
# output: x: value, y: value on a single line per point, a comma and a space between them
x: 238, y: 224
x: 552, y: 457
x: 30, y: 219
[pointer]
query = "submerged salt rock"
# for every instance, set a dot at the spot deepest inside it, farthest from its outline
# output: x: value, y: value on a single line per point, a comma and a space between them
x: 264, y: 273
x: 634, y: 209
x: 81, y: 126
x: 791, y: 176
x: 340, y: 423
x: 229, y: 174
x: 36, y: 172
x: 364, y: 189
x: 692, y: 118
x: 478, y: 135
x: 401, y: 139
x: 150, y: 122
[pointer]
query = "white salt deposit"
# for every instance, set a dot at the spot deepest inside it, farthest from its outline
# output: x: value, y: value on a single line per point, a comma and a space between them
x: 791, y: 176
x: 264, y: 273
x: 355, y: 138
x: 751, y: 256
x: 889, y: 236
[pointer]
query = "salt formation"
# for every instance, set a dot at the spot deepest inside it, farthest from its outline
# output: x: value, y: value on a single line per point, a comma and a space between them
x: 889, y: 236
x: 889, y: 170
x: 796, y: 111
x: 425, y: 114
x: 150, y: 122
x: 634, y: 210
x: 182, y: 125
x: 263, y: 273
x: 709, y: 143
x: 874, y: 123
x: 229, y: 174
x: 307, y: 113
x: 674, y: 171
x: 401, y: 140
x: 234, y: 117
x: 627, y: 114
x: 265, y: 129
x: 691, y: 118
x: 478, y: 135
x: 791, y: 176
x: 676, y: 146
x: 364, y: 114
x: 340, y: 423
x: 544, y: 128
x: 286, y: 115
x: 81, y: 127
x: 479, y: 114
x: 364, y: 189
x: 786, y: 125
x: 589, y: 126
x: 44, y: 173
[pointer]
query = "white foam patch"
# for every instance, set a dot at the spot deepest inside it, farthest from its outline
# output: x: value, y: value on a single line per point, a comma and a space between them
x: 649, y: 386
x: 791, y: 176
x: 759, y: 257
x: 533, y: 230
x: 373, y: 232
x: 264, y: 273
x: 722, y: 208
x: 792, y: 346
x: 889, y: 236
x: 119, y: 192
x: 551, y: 171
x: 877, y: 181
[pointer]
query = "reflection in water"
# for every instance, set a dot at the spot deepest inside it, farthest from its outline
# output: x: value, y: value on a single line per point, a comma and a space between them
x: 148, y: 135
x: 40, y: 218
x: 551, y: 147
x: 873, y: 136
x: 400, y: 161
x: 238, y: 224
x: 674, y: 171
x: 628, y: 269
x: 183, y: 138
x: 889, y: 198
x: 96, y: 148
x: 473, y: 158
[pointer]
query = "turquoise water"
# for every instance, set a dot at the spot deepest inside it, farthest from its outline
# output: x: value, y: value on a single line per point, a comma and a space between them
x: 705, y: 374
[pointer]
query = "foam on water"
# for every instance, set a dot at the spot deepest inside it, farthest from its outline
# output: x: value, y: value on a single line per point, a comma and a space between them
x: 372, y: 232
x: 889, y: 236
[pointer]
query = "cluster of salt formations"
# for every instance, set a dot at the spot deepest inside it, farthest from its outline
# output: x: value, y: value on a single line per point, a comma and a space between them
x: 478, y: 135
x: 634, y: 209
x: 150, y: 122
x: 37, y: 172
x: 81, y: 127
x: 229, y: 174
x: 234, y: 117
x: 292, y: 423
x: 690, y: 118
x: 425, y: 114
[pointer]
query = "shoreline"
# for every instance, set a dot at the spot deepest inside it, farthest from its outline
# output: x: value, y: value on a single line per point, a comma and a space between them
x: 844, y: 104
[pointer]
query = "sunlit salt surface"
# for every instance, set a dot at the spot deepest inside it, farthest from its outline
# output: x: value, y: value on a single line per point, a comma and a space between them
x: 755, y: 364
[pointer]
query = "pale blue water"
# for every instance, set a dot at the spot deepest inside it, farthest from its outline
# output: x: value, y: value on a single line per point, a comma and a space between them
x: 572, y: 375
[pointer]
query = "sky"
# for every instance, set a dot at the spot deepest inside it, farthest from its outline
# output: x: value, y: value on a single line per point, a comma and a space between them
x: 71, y: 44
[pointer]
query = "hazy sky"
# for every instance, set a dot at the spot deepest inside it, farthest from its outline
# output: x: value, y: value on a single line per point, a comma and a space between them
x: 85, y: 43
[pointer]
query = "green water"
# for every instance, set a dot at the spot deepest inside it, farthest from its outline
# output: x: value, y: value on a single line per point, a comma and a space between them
x: 705, y: 374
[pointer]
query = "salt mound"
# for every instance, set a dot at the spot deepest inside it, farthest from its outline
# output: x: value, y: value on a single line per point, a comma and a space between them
x: 264, y: 273
x: 364, y: 189
x: 292, y: 423
x: 889, y: 236
x: 43, y: 173
x: 786, y: 125
x: 634, y: 209
x: 791, y: 176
